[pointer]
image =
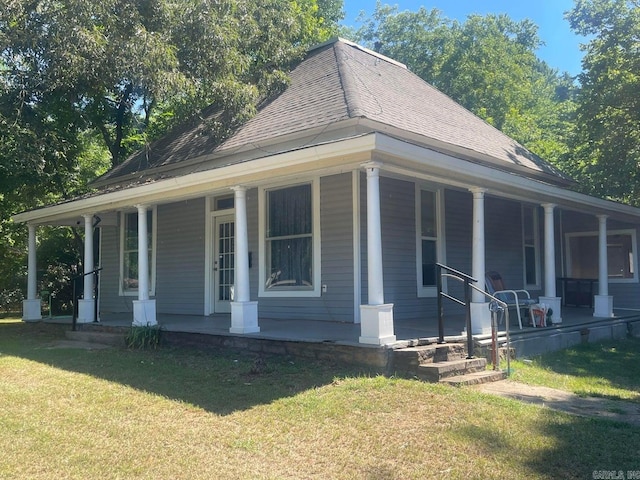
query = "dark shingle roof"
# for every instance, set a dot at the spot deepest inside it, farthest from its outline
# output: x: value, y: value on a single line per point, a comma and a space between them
x: 336, y: 82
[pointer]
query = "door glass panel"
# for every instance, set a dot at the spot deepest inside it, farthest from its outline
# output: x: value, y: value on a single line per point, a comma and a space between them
x: 226, y: 244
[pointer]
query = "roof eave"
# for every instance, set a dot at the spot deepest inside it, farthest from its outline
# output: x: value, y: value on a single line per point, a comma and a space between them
x: 338, y: 156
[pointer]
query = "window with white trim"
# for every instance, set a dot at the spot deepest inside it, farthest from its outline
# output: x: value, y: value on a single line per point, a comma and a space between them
x: 530, y: 247
x: 291, y: 247
x: 129, y: 251
x: 427, y: 245
x: 582, y: 255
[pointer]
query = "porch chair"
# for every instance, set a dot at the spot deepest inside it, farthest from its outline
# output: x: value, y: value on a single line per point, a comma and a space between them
x: 518, y: 299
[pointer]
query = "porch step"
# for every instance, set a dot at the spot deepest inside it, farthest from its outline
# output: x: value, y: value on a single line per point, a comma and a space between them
x: 410, y: 358
x: 443, y: 362
x: 475, y: 378
x: 436, y: 372
x: 101, y: 338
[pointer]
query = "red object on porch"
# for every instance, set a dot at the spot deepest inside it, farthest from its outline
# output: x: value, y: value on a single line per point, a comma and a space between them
x: 538, y: 315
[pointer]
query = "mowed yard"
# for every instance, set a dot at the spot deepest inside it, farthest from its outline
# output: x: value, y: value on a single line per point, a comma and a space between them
x: 178, y: 413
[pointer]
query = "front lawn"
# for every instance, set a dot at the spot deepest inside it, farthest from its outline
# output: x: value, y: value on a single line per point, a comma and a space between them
x: 179, y: 413
x: 610, y: 369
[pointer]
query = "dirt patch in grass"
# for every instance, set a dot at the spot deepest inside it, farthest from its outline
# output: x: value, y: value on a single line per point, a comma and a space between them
x: 561, y: 400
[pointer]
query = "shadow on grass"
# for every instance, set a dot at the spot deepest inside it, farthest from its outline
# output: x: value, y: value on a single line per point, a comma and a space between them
x: 578, y: 447
x: 582, y: 446
x: 218, y: 380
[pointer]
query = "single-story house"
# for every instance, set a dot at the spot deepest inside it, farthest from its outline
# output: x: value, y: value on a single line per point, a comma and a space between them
x: 334, y: 203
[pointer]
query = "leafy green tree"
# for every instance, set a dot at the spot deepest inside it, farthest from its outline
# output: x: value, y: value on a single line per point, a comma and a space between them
x: 85, y: 82
x: 606, y: 155
x: 488, y: 64
x: 111, y: 63
x: 422, y: 40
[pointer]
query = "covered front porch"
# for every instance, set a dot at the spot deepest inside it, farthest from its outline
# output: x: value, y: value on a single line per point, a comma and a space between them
x: 375, y: 230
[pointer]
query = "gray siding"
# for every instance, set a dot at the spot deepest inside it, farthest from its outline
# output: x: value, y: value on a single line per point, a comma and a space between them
x: 398, y: 217
x: 252, y: 233
x: 180, y: 268
x: 110, y: 300
x: 180, y: 258
x: 503, y: 240
x: 397, y: 210
x: 179, y: 262
x: 336, y: 260
x: 364, y: 271
x: 458, y: 234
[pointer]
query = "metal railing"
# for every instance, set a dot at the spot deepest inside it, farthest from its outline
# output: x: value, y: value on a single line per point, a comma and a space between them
x: 495, y: 306
x: 466, y: 279
x: 78, y: 291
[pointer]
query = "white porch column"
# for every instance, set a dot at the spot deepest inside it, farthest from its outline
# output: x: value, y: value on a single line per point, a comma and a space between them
x: 550, y: 298
x: 86, y: 306
x: 244, y: 313
x: 603, y: 302
x: 144, y: 309
x: 376, y: 318
x: 31, y: 306
x: 480, y: 314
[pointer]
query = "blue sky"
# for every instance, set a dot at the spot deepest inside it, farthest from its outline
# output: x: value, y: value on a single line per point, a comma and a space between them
x: 561, y: 50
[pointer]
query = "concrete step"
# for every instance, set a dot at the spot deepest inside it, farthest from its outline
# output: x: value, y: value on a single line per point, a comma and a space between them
x: 410, y: 358
x: 435, y: 372
x: 102, y: 338
x: 475, y: 378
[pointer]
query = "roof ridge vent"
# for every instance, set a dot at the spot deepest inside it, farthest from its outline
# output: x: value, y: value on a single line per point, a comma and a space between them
x: 359, y: 47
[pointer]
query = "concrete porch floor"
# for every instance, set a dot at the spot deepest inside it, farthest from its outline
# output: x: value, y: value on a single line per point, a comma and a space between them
x: 411, y: 331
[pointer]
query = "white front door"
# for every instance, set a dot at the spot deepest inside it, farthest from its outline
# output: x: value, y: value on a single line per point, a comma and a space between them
x: 223, y: 263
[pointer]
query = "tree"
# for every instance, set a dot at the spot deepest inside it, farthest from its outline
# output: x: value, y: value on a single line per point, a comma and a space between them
x: 606, y: 157
x: 85, y: 82
x: 111, y: 63
x: 487, y: 63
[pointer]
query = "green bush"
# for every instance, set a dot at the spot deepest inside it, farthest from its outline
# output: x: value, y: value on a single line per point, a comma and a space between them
x: 144, y: 337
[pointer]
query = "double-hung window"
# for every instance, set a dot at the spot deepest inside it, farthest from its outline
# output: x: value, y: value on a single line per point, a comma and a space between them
x: 427, y: 247
x: 291, y: 264
x: 129, y: 252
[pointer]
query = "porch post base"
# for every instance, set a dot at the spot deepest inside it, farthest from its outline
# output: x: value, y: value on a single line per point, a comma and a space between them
x: 603, y: 306
x: 244, y: 317
x: 144, y: 313
x: 86, y: 310
x: 376, y: 324
x: 31, y: 310
x: 480, y: 318
x: 555, y: 304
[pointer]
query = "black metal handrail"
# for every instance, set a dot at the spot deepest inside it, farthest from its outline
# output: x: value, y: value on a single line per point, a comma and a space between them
x: 496, y: 303
x: 77, y: 291
x: 466, y: 279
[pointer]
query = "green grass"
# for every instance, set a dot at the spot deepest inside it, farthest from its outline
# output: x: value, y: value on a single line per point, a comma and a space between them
x: 609, y: 370
x: 179, y: 413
